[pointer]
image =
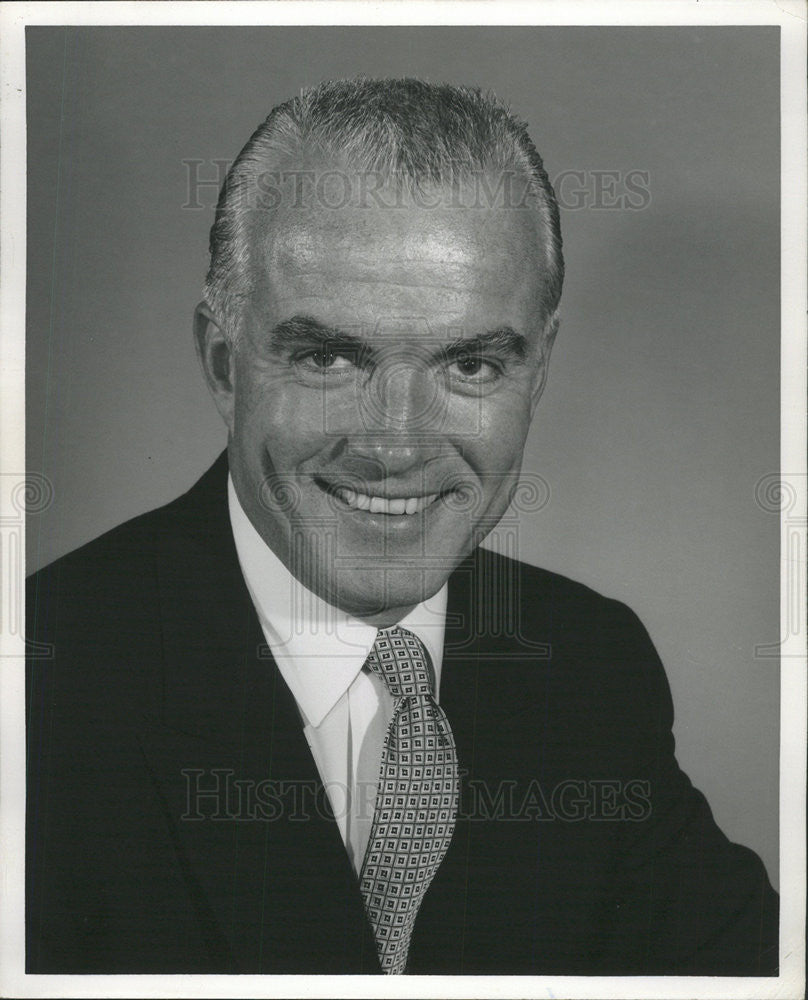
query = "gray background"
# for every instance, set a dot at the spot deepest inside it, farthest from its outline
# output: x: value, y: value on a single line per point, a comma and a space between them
x: 662, y: 408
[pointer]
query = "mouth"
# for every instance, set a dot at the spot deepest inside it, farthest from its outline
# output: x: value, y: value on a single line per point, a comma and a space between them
x: 403, y: 506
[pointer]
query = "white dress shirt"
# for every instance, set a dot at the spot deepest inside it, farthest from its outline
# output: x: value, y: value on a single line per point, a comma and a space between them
x: 320, y: 652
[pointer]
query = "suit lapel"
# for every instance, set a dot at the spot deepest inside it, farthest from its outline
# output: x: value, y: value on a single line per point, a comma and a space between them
x: 472, y: 908
x: 438, y: 939
x: 246, y: 813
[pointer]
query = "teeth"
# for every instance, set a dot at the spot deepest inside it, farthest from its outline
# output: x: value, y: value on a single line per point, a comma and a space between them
x: 382, y: 505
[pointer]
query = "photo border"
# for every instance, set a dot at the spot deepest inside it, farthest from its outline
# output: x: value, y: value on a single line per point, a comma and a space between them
x: 790, y: 492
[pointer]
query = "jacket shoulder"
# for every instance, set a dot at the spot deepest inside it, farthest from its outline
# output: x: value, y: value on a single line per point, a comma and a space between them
x: 571, y: 637
x: 130, y: 546
x: 109, y: 593
x: 551, y: 600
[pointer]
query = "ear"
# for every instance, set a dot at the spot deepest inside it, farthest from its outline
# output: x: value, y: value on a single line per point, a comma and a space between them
x: 216, y: 357
x: 546, y: 342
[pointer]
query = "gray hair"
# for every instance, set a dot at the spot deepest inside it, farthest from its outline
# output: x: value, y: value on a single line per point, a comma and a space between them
x: 412, y: 132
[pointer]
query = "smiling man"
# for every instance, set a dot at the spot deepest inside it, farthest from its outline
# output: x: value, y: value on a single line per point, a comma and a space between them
x: 384, y: 367
x: 298, y: 721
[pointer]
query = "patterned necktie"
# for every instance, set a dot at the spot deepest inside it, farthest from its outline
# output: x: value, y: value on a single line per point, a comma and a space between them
x: 417, y: 797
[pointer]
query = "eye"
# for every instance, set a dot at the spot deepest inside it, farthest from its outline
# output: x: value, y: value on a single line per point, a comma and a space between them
x: 474, y: 368
x: 470, y: 366
x: 326, y: 359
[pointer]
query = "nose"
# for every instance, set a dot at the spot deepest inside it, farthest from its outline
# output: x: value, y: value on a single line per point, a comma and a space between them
x: 403, y: 396
x: 402, y: 410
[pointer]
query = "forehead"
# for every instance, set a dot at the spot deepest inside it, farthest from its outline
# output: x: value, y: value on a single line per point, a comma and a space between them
x: 475, y: 266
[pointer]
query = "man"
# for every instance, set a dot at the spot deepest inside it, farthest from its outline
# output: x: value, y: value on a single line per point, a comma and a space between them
x: 297, y: 720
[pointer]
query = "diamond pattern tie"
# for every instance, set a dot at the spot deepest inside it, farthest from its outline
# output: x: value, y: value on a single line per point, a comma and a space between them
x: 417, y: 797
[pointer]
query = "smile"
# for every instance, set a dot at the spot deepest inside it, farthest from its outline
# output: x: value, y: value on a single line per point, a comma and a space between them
x: 380, y: 505
x: 385, y: 505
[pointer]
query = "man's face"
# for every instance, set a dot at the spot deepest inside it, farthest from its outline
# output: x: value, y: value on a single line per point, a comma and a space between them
x: 388, y: 368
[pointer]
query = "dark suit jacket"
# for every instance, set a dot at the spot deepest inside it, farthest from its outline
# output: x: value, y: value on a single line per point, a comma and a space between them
x: 581, y: 847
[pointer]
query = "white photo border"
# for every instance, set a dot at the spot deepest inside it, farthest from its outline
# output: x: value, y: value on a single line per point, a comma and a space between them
x: 790, y: 16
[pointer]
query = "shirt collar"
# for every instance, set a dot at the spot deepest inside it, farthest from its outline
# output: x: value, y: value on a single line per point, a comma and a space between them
x: 319, y: 649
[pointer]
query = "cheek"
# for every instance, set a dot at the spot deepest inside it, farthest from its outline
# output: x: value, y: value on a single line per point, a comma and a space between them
x: 280, y: 418
x: 496, y: 444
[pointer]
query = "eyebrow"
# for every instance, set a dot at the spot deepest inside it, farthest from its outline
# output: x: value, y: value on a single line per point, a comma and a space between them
x: 504, y: 339
x: 305, y: 331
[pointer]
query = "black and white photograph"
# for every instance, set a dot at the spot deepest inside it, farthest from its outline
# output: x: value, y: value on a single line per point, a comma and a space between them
x: 404, y: 499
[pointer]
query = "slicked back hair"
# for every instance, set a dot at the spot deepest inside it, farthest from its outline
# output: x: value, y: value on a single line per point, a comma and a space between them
x: 410, y: 132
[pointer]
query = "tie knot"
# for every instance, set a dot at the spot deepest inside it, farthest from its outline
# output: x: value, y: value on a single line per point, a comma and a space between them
x: 402, y: 661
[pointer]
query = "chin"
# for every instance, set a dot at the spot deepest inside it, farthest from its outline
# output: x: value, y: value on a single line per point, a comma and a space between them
x: 373, y: 593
